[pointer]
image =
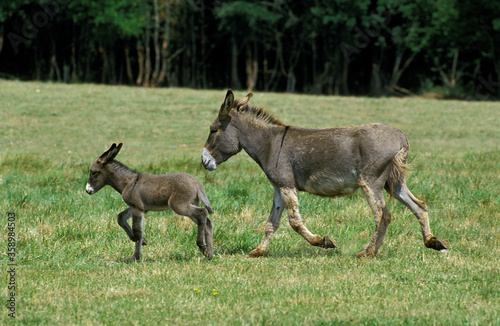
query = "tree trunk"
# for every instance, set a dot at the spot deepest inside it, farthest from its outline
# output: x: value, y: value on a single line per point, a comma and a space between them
x: 397, y: 72
x: 156, y: 40
x: 164, y: 47
x: 376, y: 81
x: 147, y: 47
x: 204, y: 81
x: 345, y: 76
x: 235, y: 80
x: 337, y: 72
x: 140, y: 60
x: 53, y: 63
x: 104, y: 59
x: 1, y: 37
x: 128, y: 66
x: 271, y: 75
x: 291, y: 81
x: 252, y: 67
x: 193, y: 51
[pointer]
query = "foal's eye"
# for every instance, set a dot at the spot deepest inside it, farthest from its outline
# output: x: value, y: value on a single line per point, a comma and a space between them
x: 213, y: 131
x: 94, y: 174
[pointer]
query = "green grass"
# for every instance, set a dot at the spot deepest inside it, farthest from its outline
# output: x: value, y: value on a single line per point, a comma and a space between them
x: 71, y: 254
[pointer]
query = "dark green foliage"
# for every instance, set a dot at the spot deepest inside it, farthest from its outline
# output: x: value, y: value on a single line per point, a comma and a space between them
x: 443, y: 48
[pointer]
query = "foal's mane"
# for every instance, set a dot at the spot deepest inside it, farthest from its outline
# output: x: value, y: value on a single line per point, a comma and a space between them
x: 259, y: 114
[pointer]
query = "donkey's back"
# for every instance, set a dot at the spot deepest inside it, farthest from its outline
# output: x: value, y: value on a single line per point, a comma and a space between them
x: 330, y: 162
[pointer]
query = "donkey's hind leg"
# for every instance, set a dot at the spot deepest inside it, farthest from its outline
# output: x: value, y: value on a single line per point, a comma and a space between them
x: 419, y: 208
x: 375, y: 197
x: 289, y: 197
x: 199, y: 215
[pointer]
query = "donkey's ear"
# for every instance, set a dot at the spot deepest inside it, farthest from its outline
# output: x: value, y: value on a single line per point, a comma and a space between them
x: 227, y: 104
x: 244, y: 101
x: 110, y: 154
x: 114, y: 152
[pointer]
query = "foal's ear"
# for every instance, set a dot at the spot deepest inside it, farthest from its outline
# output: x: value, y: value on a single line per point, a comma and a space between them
x: 227, y: 104
x: 110, y: 154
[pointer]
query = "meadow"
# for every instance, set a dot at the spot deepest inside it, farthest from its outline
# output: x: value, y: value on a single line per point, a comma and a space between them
x: 71, y: 255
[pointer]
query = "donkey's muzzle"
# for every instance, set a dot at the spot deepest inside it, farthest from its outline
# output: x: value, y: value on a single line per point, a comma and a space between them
x: 208, y: 160
x: 89, y: 189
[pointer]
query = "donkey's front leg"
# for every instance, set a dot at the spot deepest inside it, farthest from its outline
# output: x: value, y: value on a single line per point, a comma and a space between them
x: 273, y: 223
x: 123, y: 217
x: 289, y: 197
x: 137, y: 228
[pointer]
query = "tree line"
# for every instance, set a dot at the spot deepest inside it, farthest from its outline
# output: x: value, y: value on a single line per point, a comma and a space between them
x: 370, y: 47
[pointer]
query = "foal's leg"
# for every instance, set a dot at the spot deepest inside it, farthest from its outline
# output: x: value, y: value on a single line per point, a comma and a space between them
x: 123, y: 217
x: 289, y: 197
x: 208, y: 231
x: 199, y: 215
x: 273, y: 223
x: 419, y: 208
x: 137, y: 228
x: 375, y: 197
x: 209, y: 238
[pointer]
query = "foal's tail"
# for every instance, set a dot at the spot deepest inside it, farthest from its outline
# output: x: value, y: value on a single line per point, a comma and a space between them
x: 399, y: 170
x: 204, y: 199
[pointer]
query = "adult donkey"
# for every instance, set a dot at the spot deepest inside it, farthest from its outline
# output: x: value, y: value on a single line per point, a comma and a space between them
x: 325, y: 162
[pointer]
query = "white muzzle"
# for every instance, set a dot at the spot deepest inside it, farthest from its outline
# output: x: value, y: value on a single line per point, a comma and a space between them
x: 89, y: 189
x: 208, y: 160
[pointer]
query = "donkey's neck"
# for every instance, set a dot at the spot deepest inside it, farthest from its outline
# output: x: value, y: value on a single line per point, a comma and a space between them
x: 120, y: 176
x: 262, y: 140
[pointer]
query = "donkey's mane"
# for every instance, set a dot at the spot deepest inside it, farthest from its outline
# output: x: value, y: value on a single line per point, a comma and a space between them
x: 259, y: 114
x: 121, y: 167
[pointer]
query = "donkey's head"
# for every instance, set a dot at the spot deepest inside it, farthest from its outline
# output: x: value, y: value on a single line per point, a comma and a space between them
x: 98, y: 171
x: 223, y: 142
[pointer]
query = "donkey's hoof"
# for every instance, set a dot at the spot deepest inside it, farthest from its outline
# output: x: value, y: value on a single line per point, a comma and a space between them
x: 255, y: 253
x: 365, y: 253
x: 436, y: 244
x: 329, y: 243
x: 208, y: 255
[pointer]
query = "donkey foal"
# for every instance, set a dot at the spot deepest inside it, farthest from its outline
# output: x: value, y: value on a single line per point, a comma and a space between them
x: 144, y: 192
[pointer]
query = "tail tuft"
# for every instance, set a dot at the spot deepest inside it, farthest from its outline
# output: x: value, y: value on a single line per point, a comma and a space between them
x: 399, y: 169
x: 204, y: 199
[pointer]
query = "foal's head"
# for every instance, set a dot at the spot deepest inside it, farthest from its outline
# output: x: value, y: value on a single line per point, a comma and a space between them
x: 98, y: 172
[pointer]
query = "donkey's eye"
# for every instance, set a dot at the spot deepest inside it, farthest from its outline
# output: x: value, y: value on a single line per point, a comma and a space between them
x: 94, y: 174
x: 213, y: 131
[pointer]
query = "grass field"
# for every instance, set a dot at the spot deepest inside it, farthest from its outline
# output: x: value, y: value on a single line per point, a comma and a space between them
x: 71, y: 254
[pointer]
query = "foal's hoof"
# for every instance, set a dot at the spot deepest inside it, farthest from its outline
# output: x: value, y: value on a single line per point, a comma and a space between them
x: 255, y: 253
x: 208, y: 255
x: 329, y: 243
x: 436, y: 244
x: 133, y: 259
x: 144, y: 242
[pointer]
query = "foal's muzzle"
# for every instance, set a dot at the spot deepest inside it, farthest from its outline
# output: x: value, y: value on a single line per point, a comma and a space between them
x: 208, y: 161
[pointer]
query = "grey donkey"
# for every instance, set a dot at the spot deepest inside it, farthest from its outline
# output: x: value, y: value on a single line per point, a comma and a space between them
x: 325, y: 162
x: 144, y: 192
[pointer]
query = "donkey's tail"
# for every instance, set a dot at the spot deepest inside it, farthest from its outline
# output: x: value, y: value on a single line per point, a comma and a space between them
x: 399, y: 170
x: 204, y: 199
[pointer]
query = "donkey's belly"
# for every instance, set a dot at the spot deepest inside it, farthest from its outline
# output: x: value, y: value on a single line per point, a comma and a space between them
x: 331, y: 185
